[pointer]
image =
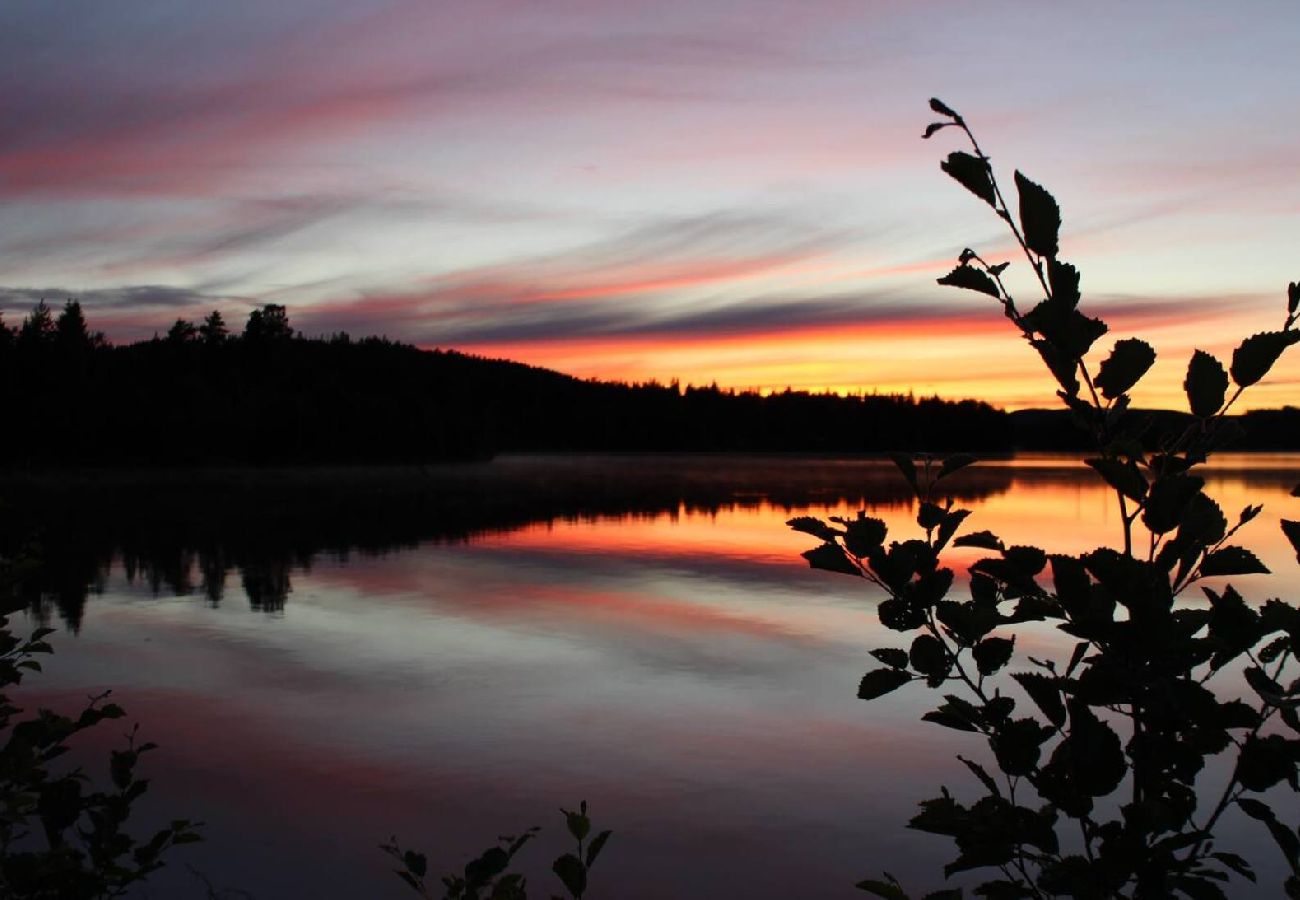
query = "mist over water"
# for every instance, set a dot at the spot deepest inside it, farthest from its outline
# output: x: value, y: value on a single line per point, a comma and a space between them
x: 658, y: 648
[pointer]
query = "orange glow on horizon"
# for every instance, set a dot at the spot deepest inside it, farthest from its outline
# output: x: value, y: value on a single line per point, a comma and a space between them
x: 971, y: 354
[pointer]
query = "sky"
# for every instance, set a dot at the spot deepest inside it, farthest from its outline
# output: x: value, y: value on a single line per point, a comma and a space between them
x: 708, y: 191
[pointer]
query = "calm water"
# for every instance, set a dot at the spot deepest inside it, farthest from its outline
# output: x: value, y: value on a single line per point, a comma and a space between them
x: 678, y: 666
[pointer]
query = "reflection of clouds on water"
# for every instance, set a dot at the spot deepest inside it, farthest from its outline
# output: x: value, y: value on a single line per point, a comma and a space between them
x: 457, y: 674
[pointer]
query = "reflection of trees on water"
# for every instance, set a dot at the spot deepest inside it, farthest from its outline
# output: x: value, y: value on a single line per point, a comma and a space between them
x: 188, y: 534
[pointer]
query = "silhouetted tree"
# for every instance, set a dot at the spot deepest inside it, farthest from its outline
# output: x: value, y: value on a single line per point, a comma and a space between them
x: 7, y: 334
x: 38, y: 328
x: 270, y: 323
x: 213, y: 329
x: 70, y: 328
x: 182, y: 332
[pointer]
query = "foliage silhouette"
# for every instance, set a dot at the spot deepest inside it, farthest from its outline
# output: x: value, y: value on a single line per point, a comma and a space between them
x: 487, y: 876
x: 1094, y: 770
x: 61, y: 839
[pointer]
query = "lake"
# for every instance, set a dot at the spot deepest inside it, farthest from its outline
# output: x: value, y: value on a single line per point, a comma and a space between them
x: 640, y: 632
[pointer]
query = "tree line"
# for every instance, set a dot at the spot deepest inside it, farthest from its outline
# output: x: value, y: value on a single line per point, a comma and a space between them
x: 204, y: 393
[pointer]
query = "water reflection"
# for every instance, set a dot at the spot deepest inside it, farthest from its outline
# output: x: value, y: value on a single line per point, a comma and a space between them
x: 463, y: 665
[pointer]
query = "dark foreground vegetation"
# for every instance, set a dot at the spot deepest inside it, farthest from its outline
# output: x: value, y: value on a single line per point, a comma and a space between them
x: 202, y: 395
x: 1107, y: 773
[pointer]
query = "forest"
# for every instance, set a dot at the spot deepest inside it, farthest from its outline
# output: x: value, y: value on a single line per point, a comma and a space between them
x: 206, y: 394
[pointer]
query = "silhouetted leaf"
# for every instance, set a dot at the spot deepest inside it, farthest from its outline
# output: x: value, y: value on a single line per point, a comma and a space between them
x: 888, y: 890
x: 1264, y: 762
x: 986, y: 540
x: 907, y: 466
x: 816, y: 527
x: 1292, y: 531
x: 942, y: 108
x: 1064, y: 281
x: 1236, y: 863
x: 879, y: 682
x: 831, y: 558
x: 1018, y: 745
x: 893, y: 657
x: 1232, y: 561
x: 930, y: 515
x: 948, y: 527
x: 572, y: 872
x: 1206, y: 384
x: 954, y: 463
x: 1045, y: 692
x: 971, y: 278
x: 1269, y: 690
x: 597, y: 844
x: 1168, y: 501
x: 1040, y: 217
x: 973, y: 173
x: 1292, y: 297
x: 863, y: 534
x: 1061, y: 366
x: 980, y: 773
x: 992, y: 654
x: 933, y: 127
x: 1122, y: 476
x: 1257, y: 353
x: 1127, y: 363
x: 928, y: 655
x: 1285, y: 839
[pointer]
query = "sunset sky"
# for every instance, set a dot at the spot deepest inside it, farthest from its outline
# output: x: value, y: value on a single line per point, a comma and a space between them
x: 714, y: 190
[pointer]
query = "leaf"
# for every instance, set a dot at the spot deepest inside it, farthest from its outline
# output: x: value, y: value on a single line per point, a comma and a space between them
x: 973, y: 173
x: 992, y: 654
x: 932, y: 128
x: 1206, y: 384
x: 1125, y: 366
x: 1292, y: 531
x: 1168, y: 501
x: 1257, y: 353
x: 578, y: 823
x: 863, y: 534
x: 985, y: 540
x: 980, y: 773
x: 572, y: 872
x: 928, y: 655
x: 942, y: 108
x: 971, y: 278
x: 1122, y: 476
x: 886, y: 889
x: 1040, y: 216
x: 816, y: 527
x: 1236, y: 863
x: 1232, y: 561
x: 831, y: 558
x: 1292, y: 297
x: 597, y: 844
x: 1045, y: 692
x: 893, y: 657
x: 1018, y: 745
x: 880, y: 682
x: 906, y: 466
x: 1287, y: 841
x: 1064, y: 280
x: 1061, y: 366
x: 954, y: 463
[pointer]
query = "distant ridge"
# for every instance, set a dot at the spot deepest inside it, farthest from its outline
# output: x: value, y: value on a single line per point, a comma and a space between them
x: 200, y: 396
